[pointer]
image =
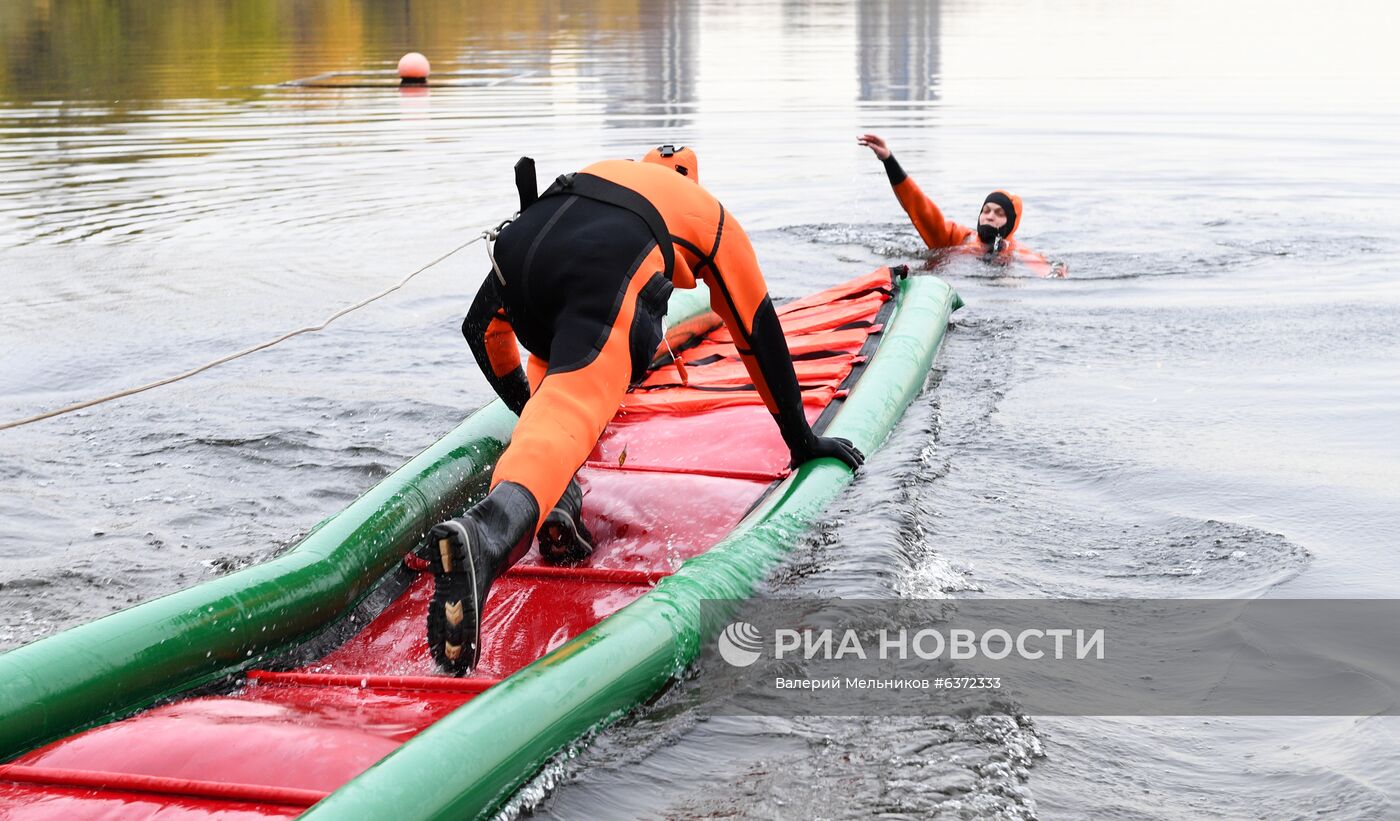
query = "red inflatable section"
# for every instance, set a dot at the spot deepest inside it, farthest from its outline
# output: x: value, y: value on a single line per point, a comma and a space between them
x: 678, y: 467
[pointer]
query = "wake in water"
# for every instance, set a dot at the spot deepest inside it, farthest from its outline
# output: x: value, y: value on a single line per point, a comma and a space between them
x: 1224, y: 247
x: 673, y: 760
x: 1032, y: 467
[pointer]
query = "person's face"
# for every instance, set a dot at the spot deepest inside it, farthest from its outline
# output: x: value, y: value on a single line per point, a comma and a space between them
x: 992, y: 214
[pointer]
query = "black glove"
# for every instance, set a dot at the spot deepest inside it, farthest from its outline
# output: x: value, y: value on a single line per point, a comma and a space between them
x: 513, y: 388
x: 817, y: 447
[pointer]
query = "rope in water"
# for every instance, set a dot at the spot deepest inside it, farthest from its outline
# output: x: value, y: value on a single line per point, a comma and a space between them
x: 485, y: 235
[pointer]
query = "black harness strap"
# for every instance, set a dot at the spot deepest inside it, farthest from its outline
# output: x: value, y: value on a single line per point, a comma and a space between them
x: 525, y: 182
x: 590, y: 187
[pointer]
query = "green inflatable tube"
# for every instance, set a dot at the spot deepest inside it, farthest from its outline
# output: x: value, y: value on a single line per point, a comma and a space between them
x: 469, y: 763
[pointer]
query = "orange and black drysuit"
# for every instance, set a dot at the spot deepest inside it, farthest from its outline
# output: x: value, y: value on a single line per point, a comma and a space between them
x: 584, y: 276
x: 939, y: 232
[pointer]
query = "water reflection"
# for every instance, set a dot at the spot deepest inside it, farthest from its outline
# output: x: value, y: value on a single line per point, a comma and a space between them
x: 649, y: 77
x: 120, y: 119
x: 897, y: 50
x: 129, y: 50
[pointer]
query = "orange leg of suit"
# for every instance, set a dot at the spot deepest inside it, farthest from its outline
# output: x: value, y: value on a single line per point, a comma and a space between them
x: 534, y: 371
x: 568, y: 410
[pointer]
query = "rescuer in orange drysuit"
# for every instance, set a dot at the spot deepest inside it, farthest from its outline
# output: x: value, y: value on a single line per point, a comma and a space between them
x: 991, y: 239
x: 581, y: 277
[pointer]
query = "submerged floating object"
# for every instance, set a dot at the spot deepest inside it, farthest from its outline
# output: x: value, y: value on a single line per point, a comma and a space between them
x: 413, y: 68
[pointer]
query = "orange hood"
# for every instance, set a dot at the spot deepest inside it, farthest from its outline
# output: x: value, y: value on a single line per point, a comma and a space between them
x: 682, y: 160
x: 1011, y: 204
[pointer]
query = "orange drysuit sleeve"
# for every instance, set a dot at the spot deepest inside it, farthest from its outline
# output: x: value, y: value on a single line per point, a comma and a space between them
x: 937, y: 231
x: 740, y: 297
x: 737, y: 293
x: 715, y: 248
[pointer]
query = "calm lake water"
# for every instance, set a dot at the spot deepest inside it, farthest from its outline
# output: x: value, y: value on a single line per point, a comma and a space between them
x: 1200, y: 410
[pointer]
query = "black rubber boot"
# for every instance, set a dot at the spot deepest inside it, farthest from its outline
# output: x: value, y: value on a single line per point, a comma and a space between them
x: 563, y: 537
x: 466, y: 555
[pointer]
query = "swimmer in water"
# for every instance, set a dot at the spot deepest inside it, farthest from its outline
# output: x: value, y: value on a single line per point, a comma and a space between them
x: 991, y: 240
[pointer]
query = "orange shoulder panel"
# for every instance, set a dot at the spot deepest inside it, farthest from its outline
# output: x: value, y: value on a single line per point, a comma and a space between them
x: 704, y: 233
x: 691, y: 213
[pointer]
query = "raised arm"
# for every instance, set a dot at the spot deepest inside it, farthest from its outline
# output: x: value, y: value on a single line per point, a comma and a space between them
x: 935, y: 229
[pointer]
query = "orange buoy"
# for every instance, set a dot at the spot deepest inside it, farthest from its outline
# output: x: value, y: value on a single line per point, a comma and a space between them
x: 413, y: 68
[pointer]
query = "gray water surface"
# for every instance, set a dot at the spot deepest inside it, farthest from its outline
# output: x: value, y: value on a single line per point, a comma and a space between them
x: 1205, y: 408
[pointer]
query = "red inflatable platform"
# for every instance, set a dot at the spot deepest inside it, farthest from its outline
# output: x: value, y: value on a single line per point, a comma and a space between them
x: 678, y: 467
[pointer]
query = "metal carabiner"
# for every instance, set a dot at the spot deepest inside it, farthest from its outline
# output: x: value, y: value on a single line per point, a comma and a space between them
x: 675, y: 360
x: 490, y: 235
